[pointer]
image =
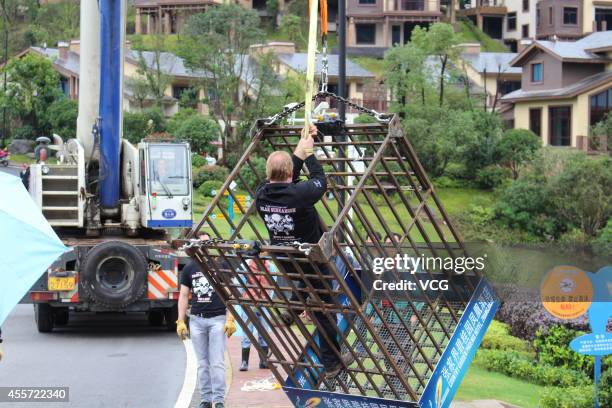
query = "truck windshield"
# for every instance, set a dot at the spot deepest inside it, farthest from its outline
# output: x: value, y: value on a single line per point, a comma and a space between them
x: 169, y: 172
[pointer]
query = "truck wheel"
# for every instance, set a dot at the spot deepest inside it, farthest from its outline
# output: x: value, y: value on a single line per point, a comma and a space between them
x: 114, y: 274
x: 61, y: 316
x: 171, y: 315
x: 44, y: 316
x: 156, y: 318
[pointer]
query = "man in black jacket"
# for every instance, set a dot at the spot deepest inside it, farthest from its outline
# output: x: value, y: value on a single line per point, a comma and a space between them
x: 286, y: 205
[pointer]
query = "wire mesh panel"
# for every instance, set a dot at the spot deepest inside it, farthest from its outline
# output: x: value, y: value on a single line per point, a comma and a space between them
x: 361, y: 292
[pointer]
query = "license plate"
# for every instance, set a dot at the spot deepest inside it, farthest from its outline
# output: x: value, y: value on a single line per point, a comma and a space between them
x: 61, y: 284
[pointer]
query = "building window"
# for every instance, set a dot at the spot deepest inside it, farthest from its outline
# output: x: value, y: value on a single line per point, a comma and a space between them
x: 535, y: 121
x: 359, y: 87
x: 537, y: 17
x: 603, y: 19
x: 560, y: 125
x: 366, y: 33
x: 367, y: 1
x: 511, y: 22
x: 65, y: 86
x: 505, y: 87
x: 536, y: 72
x: 550, y: 16
x: 525, y: 32
x: 601, y: 104
x: 570, y: 15
x: 525, y: 5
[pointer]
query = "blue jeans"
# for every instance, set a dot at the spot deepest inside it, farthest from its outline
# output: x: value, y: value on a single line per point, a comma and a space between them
x: 245, y: 342
x: 208, y: 341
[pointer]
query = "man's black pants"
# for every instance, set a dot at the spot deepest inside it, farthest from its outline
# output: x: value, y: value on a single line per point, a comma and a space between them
x: 326, y: 321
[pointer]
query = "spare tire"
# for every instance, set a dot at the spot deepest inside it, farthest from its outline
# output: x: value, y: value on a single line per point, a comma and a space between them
x: 114, y: 274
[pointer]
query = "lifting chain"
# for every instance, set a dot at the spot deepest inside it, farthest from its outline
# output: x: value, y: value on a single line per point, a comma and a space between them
x: 382, y: 117
x: 248, y: 247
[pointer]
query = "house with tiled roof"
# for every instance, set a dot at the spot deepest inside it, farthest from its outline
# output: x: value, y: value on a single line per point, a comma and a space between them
x: 566, y: 88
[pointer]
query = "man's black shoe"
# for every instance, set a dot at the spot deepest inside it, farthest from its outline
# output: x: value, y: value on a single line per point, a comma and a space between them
x: 205, y: 404
x: 333, y: 370
x: 219, y: 405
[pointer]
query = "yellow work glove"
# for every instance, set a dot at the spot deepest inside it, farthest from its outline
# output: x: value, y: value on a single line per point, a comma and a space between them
x: 181, y: 330
x: 230, y: 326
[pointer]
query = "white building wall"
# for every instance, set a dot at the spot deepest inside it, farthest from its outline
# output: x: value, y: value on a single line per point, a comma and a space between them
x: 522, y: 18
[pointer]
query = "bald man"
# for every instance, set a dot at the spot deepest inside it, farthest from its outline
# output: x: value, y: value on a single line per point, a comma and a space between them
x: 287, y: 206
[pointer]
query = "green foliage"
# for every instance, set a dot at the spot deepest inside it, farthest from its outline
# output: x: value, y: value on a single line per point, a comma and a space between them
x: 603, y: 127
x: 292, y: 28
x: 363, y: 118
x: 498, y: 337
x: 468, y: 32
x: 209, y: 186
x: 582, y: 192
x: 528, y: 204
x: 51, y: 23
x: 272, y: 7
x: 447, y: 182
x: 198, y: 130
x: 31, y: 89
x: 569, y: 397
x: 250, y: 176
x: 603, y: 242
x: 517, y: 365
x: 62, y: 116
x: 552, y: 348
x: 481, y: 146
x: 197, y: 160
x: 138, y: 125
x: 232, y: 29
x: 517, y: 147
x: 605, y: 388
x: 208, y: 173
x: 438, y: 135
x: 492, y: 176
x: 152, y: 80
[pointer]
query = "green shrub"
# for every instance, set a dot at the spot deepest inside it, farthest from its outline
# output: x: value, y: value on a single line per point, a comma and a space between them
x: 605, y: 388
x: 456, y: 171
x: 498, y: 337
x: 569, y: 397
x: 209, y: 186
x: 520, y: 366
x: 552, y: 348
x: 492, y: 176
x: 208, y: 173
x: 138, y: 125
x: 197, y: 160
x: 198, y: 130
x: 62, y: 116
x: 447, y: 182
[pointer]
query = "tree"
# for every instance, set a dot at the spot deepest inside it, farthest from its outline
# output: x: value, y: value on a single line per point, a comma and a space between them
x: 582, y: 192
x: 138, y: 125
x: 198, y: 130
x: 218, y: 42
x: 54, y: 22
x: 62, y: 116
x: 518, y: 147
x: 31, y: 88
x: 153, y: 79
x: 441, y: 41
x: 292, y: 27
x: 406, y: 75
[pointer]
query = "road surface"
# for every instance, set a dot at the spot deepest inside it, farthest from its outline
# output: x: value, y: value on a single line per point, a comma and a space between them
x: 11, y: 169
x: 107, y: 360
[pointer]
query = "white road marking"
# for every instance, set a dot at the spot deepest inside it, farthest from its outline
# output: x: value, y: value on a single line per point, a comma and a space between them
x: 191, y: 377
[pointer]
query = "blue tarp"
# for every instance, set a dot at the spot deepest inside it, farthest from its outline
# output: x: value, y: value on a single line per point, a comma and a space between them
x: 28, y: 244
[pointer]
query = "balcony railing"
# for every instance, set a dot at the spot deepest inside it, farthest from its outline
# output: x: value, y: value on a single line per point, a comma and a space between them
x: 485, y: 3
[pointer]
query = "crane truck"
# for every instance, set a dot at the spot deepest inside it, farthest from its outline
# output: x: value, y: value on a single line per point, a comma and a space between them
x: 110, y: 201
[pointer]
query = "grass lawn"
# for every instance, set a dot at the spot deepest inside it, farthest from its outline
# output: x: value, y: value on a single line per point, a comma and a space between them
x: 20, y: 158
x: 374, y: 65
x: 482, y: 384
x: 470, y: 33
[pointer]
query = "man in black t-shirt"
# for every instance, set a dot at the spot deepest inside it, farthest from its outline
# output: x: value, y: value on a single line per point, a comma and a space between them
x: 207, y: 325
x: 287, y: 206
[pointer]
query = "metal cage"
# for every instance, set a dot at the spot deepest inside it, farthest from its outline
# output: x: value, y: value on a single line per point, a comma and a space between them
x: 376, y: 186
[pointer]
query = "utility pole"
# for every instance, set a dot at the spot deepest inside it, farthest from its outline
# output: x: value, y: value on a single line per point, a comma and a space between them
x: 6, y: 35
x: 342, y: 90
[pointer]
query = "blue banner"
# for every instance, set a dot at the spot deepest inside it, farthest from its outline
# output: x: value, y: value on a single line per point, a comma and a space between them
x: 459, y: 352
x: 302, y: 398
